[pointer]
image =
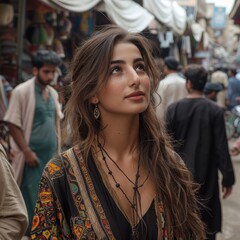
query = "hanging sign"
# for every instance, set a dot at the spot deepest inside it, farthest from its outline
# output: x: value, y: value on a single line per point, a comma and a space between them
x: 219, y: 18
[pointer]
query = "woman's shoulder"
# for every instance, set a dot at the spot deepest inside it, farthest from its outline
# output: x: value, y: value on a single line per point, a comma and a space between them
x: 55, y: 167
x: 61, y: 163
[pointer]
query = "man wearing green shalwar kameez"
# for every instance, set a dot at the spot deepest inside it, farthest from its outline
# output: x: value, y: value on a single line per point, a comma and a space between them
x: 33, y: 119
x: 43, y: 142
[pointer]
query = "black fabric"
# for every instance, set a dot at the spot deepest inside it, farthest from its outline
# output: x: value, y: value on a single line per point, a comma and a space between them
x: 199, y: 128
x: 120, y: 227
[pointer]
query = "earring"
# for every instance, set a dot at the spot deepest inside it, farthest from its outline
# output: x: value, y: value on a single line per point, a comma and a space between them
x: 96, y: 112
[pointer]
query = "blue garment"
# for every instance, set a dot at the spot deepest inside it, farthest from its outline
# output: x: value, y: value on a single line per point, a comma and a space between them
x: 233, y: 91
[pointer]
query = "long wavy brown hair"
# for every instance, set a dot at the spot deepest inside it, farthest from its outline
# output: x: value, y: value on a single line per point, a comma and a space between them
x: 89, y: 72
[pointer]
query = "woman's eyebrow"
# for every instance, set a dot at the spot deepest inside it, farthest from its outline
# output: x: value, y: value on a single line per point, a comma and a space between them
x: 117, y: 61
x: 122, y: 61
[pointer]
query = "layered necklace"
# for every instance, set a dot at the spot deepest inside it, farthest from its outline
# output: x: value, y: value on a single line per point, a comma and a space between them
x: 135, y: 203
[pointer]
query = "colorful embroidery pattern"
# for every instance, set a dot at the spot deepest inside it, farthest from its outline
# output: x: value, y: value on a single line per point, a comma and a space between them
x: 47, y: 215
x: 94, y: 197
x: 62, y: 213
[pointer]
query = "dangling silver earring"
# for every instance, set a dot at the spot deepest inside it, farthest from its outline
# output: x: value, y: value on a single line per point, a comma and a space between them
x: 96, y: 112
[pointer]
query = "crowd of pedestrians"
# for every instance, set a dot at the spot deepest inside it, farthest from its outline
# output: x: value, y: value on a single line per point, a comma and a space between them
x: 134, y: 157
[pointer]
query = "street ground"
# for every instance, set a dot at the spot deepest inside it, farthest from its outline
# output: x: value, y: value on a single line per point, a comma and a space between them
x: 231, y: 208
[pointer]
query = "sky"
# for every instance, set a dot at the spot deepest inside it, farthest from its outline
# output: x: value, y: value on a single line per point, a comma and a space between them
x: 223, y: 3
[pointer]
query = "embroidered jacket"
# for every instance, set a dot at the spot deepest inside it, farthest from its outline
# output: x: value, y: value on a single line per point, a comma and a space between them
x: 68, y: 206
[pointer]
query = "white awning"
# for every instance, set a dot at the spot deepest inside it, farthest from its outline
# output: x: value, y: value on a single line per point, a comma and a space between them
x: 129, y: 14
x: 73, y: 5
x: 168, y: 13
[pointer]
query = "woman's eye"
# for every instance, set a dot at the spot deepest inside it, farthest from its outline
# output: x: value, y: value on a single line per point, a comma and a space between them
x: 140, y: 67
x: 115, y: 70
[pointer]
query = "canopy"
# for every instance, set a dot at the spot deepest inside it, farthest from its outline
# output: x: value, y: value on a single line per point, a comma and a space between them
x: 168, y: 13
x: 129, y: 14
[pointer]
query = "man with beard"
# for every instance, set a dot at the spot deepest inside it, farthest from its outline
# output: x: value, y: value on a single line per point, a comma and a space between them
x: 33, y: 118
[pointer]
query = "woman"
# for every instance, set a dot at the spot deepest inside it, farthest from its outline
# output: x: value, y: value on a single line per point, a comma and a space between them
x: 121, y: 180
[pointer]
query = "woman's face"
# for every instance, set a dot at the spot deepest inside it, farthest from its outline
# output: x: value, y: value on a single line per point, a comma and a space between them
x: 127, y: 90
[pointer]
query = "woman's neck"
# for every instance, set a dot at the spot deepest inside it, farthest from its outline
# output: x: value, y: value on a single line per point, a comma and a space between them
x: 121, y: 137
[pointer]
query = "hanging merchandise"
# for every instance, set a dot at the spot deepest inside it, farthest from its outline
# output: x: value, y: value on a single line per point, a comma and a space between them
x: 8, y: 47
x: 8, y: 43
x: 39, y: 36
x: 51, y: 18
x: 166, y: 39
x: 39, y: 6
x: 82, y: 23
x: 39, y: 33
x: 38, y: 18
x: 166, y: 42
x: 58, y: 48
x: 86, y: 23
x: 186, y: 46
x: 50, y: 35
x: 43, y: 37
x: 64, y: 26
x: 6, y: 14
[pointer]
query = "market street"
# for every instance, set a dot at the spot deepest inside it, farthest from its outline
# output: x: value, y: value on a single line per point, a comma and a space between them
x: 231, y: 209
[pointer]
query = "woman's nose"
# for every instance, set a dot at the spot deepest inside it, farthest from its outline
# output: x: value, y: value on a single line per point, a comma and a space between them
x: 133, y: 77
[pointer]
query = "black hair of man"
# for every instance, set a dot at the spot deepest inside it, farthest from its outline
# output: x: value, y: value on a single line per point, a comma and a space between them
x: 233, y: 70
x: 45, y: 57
x: 171, y: 62
x: 197, y: 75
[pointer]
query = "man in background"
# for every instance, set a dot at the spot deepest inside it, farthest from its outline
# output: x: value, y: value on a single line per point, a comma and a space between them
x: 33, y: 118
x: 219, y: 76
x: 198, y: 126
x: 233, y: 88
x: 211, y: 90
x: 171, y: 88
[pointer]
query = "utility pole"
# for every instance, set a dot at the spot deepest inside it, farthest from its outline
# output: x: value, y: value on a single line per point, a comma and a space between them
x: 20, y: 39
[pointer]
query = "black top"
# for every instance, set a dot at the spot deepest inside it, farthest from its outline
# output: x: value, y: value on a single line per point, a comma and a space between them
x: 121, y: 228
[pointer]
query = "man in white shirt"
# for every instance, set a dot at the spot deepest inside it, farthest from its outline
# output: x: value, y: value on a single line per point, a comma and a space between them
x: 171, y: 89
x: 221, y: 77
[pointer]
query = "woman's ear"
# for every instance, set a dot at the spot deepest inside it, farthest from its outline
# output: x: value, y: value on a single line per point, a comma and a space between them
x: 93, y: 99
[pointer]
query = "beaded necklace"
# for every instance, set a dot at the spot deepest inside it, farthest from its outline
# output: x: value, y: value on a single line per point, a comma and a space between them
x: 136, y: 202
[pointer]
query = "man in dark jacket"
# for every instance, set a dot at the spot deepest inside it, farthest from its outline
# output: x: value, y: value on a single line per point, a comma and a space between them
x: 197, y: 125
